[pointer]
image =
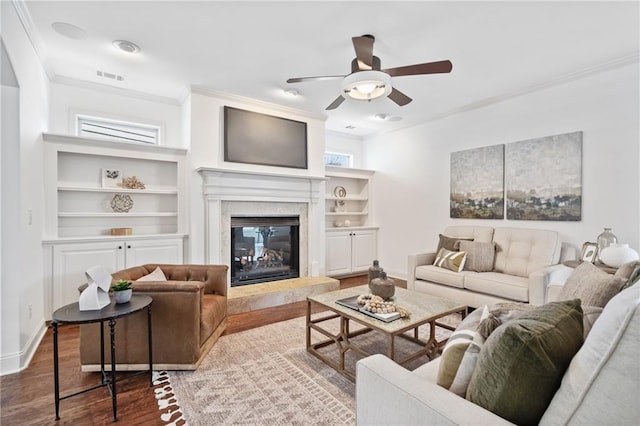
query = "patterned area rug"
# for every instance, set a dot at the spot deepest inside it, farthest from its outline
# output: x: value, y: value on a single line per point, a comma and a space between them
x: 266, y: 376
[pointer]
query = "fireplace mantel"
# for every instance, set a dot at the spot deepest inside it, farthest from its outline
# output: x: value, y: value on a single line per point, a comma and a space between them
x: 274, y: 194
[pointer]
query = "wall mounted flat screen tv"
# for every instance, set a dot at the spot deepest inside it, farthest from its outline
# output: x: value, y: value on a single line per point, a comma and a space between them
x: 255, y: 138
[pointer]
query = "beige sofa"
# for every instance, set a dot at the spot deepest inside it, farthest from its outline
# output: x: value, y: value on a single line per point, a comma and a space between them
x: 526, y: 262
x: 600, y: 387
x: 189, y: 314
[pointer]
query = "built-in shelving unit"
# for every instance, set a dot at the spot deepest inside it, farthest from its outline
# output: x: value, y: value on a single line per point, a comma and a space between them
x: 79, y: 217
x: 347, y: 198
x: 351, y: 234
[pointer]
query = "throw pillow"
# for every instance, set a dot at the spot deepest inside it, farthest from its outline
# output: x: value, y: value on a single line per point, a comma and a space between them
x: 591, y: 285
x: 156, y: 275
x: 480, y: 255
x: 453, y: 260
x: 630, y: 272
x: 505, y: 311
x: 456, y: 346
x: 450, y: 243
x: 522, y: 363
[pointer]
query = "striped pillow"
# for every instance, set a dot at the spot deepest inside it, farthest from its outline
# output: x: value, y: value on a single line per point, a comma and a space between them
x: 453, y: 260
x: 457, y: 345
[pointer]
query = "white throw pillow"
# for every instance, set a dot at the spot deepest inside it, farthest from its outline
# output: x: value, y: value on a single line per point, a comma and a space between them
x: 156, y: 275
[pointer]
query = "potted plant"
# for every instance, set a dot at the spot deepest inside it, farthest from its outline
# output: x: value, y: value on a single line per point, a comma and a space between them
x: 122, y: 291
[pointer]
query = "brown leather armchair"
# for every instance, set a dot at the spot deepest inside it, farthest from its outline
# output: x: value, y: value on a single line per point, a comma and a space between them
x: 189, y: 313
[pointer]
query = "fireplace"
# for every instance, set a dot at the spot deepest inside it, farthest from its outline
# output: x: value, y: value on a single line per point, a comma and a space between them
x: 264, y: 249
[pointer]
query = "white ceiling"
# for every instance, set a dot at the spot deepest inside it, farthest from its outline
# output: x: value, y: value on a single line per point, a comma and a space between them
x: 498, y: 49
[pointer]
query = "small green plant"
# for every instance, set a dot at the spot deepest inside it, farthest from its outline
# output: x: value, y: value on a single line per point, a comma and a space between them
x: 121, y: 285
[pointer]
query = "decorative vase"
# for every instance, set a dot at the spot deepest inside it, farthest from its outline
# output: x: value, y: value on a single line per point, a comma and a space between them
x: 605, y: 240
x: 616, y: 255
x: 123, y: 296
x: 374, y: 271
x: 383, y: 286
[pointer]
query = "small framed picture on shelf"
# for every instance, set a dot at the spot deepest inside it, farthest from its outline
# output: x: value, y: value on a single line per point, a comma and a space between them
x: 111, y: 178
x: 588, y: 252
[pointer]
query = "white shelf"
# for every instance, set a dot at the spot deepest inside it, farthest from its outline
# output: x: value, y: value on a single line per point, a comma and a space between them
x: 347, y: 198
x: 155, y: 191
x: 347, y: 213
x: 123, y: 215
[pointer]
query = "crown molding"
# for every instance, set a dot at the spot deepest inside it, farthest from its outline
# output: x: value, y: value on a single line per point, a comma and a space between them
x: 619, y: 62
x: 205, y: 91
x: 344, y: 135
x: 24, y: 16
x: 84, y: 84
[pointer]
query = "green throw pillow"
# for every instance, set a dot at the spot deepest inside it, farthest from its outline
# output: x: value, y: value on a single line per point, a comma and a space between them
x: 450, y: 243
x: 521, y: 364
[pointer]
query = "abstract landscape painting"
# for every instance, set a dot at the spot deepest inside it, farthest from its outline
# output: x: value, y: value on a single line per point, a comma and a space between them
x: 477, y: 183
x: 544, y: 178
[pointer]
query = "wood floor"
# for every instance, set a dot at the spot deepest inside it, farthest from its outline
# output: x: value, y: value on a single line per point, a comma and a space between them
x: 26, y: 398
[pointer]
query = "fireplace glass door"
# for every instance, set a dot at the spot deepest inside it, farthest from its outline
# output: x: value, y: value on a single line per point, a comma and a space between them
x: 264, y: 249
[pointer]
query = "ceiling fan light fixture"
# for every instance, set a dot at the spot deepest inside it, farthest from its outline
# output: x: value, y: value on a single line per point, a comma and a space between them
x: 366, y: 85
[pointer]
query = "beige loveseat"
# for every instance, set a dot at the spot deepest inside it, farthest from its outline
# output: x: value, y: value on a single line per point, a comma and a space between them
x: 526, y: 261
x: 189, y: 313
x: 600, y: 386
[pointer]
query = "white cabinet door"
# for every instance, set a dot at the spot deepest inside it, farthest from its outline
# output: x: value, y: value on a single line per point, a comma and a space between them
x: 338, y: 253
x: 70, y: 261
x: 154, y: 251
x: 363, y: 250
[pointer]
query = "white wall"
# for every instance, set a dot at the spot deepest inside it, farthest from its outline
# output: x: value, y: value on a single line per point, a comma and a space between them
x: 22, y: 287
x: 345, y: 144
x: 412, y: 179
x: 69, y: 100
x: 205, y: 115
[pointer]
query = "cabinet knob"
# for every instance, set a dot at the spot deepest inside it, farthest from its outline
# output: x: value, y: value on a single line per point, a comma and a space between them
x: 119, y: 247
x: 128, y: 245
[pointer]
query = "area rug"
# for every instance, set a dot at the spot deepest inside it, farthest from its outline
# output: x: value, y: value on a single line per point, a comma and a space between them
x: 265, y: 376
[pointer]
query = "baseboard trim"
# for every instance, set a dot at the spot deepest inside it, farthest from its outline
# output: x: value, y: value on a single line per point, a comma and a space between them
x: 18, y: 361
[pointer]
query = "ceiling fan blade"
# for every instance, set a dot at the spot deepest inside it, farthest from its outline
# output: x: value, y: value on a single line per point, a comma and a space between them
x: 318, y: 78
x: 427, y: 68
x: 364, y: 51
x: 399, y: 97
x: 335, y: 104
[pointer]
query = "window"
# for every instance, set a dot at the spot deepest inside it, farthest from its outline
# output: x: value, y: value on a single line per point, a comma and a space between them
x: 338, y: 159
x: 117, y: 130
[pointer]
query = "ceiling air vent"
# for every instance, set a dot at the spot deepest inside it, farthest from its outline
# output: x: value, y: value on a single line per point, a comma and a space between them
x: 109, y: 75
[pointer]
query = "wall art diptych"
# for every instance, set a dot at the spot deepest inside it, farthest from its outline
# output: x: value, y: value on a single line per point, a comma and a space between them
x: 477, y: 183
x: 543, y: 178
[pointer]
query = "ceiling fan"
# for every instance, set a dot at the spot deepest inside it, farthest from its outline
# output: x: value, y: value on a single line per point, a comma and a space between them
x: 367, y: 81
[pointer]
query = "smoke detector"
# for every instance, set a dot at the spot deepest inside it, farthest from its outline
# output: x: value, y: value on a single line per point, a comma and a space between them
x: 126, y: 46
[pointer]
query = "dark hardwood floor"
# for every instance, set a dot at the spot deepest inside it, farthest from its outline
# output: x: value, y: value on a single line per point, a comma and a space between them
x: 26, y: 398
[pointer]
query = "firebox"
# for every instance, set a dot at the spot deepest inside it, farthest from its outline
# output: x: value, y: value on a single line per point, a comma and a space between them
x: 264, y: 249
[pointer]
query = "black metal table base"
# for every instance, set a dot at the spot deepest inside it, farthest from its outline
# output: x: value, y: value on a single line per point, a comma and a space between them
x: 108, y: 379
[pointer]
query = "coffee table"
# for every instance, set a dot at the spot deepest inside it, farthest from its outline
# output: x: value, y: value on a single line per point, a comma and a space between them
x: 425, y: 310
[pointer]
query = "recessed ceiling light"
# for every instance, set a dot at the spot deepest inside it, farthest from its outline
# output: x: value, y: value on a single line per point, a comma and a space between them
x: 394, y: 118
x: 69, y: 30
x: 291, y: 92
x: 126, y: 46
x: 381, y: 116
x: 349, y: 126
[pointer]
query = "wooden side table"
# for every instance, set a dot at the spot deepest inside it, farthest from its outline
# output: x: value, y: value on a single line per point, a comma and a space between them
x: 71, y: 314
x: 576, y: 263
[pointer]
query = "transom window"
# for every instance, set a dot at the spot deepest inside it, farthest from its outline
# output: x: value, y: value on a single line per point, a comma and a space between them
x: 123, y: 131
x: 338, y: 159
